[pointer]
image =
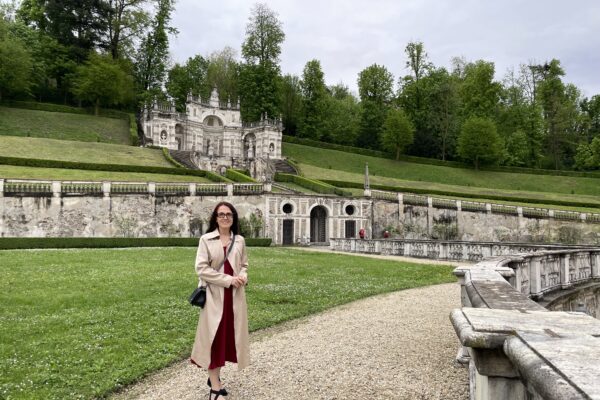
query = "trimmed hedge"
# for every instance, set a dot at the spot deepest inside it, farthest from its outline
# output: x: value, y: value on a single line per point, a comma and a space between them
x: 434, y: 161
x: 312, y: 184
x: 7, y: 243
x: 170, y: 159
x: 237, y: 176
x: 135, y: 140
x: 404, y: 189
x: 33, y: 162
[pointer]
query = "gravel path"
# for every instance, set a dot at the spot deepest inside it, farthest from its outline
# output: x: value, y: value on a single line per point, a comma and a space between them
x: 392, y: 346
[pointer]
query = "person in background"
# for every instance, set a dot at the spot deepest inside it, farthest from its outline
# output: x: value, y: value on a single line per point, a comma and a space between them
x: 361, y: 233
x: 221, y: 264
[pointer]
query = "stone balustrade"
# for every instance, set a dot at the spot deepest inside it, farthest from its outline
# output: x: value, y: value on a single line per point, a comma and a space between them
x: 475, y: 206
x: 42, y: 188
x: 439, y: 249
x: 515, y: 348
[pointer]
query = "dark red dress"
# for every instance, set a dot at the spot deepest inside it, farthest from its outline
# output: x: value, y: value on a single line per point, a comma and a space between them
x: 223, y: 346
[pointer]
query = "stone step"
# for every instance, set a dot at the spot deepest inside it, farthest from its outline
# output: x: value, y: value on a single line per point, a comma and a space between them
x: 284, y: 167
x: 184, y: 157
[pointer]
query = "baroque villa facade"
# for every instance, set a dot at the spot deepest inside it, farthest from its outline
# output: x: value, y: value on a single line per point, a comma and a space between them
x: 214, y: 135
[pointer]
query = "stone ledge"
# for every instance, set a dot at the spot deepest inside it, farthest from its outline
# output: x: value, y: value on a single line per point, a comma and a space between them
x: 557, y: 367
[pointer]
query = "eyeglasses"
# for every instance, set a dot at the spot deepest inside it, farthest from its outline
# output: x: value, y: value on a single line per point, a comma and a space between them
x: 224, y: 215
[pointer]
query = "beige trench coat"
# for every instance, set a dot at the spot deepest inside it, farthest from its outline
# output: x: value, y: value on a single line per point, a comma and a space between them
x: 209, y: 257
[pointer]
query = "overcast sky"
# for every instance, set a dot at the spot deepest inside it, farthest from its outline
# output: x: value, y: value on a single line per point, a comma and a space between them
x: 347, y: 36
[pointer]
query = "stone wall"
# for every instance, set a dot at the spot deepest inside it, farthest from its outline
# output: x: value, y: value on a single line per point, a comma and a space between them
x: 429, y: 222
x: 130, y: 215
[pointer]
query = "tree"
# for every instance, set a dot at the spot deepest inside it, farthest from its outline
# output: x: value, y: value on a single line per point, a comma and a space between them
x: 342, y: 117
x: 588, y: 155
x: 560, y: 104
x: 150, y: 66
x: 375, y: 89
x: 223, y: 73
x: 102, y: 81
x: 15, y: 64
x: 124, y: 20
x: 519, y: 119
x: 479, y: 142
x: 76, y: 24
x: 314, y: 94
x: 398, y: 132
x: 291, y: 103
x: 479, y: 93
x: 260, y: 72
x: 190, y: 77
x: 443, y: 110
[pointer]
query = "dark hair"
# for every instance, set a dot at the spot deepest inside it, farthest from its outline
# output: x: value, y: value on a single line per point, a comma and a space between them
x: 212, y: 224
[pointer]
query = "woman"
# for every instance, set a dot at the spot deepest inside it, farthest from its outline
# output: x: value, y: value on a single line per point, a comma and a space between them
x: 222, y: 333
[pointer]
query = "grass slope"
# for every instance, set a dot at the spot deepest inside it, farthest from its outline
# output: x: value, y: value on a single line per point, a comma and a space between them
x: 100, y: 153
x: 79, y: 324
x: 14, y: 172
x: 338, y: 163
x: 64, y: 126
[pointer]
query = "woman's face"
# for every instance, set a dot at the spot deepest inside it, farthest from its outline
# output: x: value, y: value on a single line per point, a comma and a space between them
x: 224, y: 217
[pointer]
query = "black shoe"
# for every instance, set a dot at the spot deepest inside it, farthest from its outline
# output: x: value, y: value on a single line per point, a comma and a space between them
x: 218, y: 393
x: 223, y: 391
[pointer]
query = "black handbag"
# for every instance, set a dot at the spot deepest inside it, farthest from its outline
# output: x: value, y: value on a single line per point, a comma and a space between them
x: 198, y: 297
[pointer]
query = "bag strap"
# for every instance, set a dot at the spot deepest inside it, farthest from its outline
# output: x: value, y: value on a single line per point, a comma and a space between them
x: 225, y: 259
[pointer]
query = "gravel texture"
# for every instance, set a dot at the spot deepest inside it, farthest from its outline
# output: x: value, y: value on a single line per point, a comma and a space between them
x: 393, y: 346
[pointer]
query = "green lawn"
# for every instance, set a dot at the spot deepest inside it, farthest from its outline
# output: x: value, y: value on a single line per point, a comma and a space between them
x: 332, y: 164
x: 79, y: 324
x: 62, y: 150
x: 538, y: 197
x: 65, y: 126
x: 14, y: 172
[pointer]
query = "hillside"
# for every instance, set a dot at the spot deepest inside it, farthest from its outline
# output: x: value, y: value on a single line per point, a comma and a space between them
x: 63, y: 150
x: 541, y: 190
x: 65, y: 126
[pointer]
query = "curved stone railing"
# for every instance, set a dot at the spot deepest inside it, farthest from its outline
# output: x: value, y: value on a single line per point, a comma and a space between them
x: 439, y: 249
x: 476, y: 206
x: 517, y: 349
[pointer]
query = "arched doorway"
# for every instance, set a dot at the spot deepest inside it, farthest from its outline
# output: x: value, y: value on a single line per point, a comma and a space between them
x: 318, y: 225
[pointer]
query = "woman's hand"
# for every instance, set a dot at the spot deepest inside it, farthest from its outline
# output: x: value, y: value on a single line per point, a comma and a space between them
x: 238, y: 281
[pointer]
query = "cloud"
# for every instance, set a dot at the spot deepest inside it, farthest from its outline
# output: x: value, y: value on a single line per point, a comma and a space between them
x: 347, y: 36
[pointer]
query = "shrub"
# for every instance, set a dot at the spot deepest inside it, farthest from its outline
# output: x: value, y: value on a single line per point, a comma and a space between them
x: 78, y: 242
x: 312, y: 184
x: 237, y: 176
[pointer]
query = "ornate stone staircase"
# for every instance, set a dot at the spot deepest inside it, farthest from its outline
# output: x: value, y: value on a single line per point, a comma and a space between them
x: 184, y: 157
x: 284, y: 167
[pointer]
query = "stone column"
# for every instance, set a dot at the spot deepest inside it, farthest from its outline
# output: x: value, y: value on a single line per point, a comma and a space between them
x: 535, y: 281
x: 230, y: 190
x: 151, y: 188
x: 488, y: 208
x: 400, y: 207
x: 429, y: 216
x: 106, y: 188
x: 267, y: 187
x: 565, y: 280
x: 1, y: 187
x: 595, y: 259
x: 56, y: 188
x: 192, y: 189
